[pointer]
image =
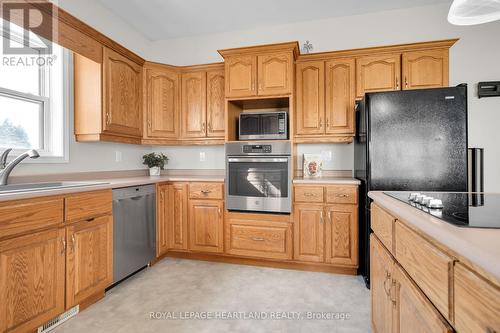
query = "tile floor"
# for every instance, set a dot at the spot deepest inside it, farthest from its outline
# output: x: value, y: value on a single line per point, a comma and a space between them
x: 176, y: 286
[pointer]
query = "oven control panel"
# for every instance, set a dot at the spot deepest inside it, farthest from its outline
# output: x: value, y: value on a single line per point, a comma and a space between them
x: 266, y: 149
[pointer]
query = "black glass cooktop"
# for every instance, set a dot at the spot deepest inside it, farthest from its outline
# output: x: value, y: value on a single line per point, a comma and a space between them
x: 473, y: 210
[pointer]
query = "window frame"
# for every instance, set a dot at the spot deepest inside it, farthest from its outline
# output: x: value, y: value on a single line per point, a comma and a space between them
x: 48, y: 145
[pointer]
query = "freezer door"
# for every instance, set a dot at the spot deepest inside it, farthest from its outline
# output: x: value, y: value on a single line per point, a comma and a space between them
x: 418, y: 140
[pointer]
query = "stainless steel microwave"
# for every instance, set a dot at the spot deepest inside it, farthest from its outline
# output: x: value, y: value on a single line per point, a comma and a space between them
x: 271, y: 125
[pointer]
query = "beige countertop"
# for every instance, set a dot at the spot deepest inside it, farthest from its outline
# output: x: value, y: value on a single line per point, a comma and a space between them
x: 108, y: 183
x: 327, y: 180
x: 479, y: 246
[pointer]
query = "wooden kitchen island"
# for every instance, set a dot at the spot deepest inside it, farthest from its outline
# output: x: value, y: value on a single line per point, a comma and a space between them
x: 431, y: 276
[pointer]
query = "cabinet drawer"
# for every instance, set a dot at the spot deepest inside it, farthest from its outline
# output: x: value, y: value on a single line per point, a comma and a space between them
x: 382, y: 224
x: 342, y: 194
x: 26, y: 215
x: 206, y: 190
x: 426, y: 264
x: 477, y: 302
x: 308, y: 193
x: 88, y: 205
x: 263, y: 239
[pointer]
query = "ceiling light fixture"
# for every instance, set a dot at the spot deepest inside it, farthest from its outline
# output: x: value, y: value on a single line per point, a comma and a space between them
x: 471, y: 12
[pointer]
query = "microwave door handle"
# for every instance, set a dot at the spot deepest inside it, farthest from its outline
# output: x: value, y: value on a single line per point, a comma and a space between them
x: 251, y: 159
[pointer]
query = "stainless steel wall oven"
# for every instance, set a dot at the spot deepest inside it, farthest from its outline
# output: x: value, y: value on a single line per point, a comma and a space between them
x: 259, y: 177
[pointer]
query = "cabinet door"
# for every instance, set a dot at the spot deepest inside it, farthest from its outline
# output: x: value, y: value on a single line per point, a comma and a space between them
x: 89, y: 260
x: 340, y: 96
x: 413, y: 311
x: 341, y: 235
x: 162, y: 103
x: 206, y: 226
x: 177, y: 215
x: 381, y: 276
x: 310, y: 80
x: 425, y: 69
x: 162, y: 210
x: 378, y: 73
x: 194, y: 101
x: 274, y: 74
x: 241, y: 73
x: 308, y: 232
x: 215, y: 104
x: 122, y: 91
x: 31, y: 280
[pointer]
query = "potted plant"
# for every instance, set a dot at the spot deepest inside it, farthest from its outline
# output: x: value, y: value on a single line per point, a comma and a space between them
x: 155, y: 162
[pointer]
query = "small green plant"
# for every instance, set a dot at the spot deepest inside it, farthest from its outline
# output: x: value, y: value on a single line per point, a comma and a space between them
x: 155, y: 160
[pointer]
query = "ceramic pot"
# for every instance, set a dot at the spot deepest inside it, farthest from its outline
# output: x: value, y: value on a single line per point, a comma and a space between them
x: 154, y: 171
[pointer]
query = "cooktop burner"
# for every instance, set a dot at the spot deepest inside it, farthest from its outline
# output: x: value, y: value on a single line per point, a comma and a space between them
x: 473, y: 210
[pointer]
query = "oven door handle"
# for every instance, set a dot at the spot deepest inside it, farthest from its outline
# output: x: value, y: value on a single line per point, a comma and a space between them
x: 256, y: 159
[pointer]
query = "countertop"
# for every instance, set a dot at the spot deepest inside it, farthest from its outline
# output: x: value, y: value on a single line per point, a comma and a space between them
x: 479, y: 246
x: 110, y: 183
x: 327, y: 180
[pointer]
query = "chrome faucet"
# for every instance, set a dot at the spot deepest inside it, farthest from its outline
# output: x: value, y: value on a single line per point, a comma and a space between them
x: 7, y: 169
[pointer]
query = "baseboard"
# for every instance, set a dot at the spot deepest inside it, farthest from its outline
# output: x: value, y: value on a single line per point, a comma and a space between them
x: 294, y: 265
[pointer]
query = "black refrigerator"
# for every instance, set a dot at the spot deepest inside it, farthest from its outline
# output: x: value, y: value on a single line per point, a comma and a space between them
x: 413, y: 140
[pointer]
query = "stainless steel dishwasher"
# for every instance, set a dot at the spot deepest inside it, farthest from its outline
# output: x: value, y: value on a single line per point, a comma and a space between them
x: 134, y: 229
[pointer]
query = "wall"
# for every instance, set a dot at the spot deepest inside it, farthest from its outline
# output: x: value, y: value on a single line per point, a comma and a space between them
x: 474, y: 58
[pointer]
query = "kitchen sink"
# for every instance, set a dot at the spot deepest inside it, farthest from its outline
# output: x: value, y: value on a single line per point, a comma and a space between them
x: 16, y: 188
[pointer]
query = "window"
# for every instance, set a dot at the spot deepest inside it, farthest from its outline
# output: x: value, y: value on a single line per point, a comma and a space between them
x: 34, y: 92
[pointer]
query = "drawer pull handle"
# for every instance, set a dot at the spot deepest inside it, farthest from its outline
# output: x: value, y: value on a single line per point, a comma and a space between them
x: 205, y: 191
x: 91, y: 219
x: 258, y: 239
x: 343, y: 195
x: 307, y: 194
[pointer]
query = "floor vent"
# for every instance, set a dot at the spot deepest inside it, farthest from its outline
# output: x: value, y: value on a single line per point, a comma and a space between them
x: 53, y: 323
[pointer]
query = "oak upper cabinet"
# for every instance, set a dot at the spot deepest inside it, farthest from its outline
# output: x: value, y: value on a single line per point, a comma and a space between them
x: 161, y: 101
x: 176, y: 215
x: 108, y: 98
x: 193, y: 97
x: 378, y: 73
x: 202, y: 104
x: 310, y: 112
x: 89, y: 260
x: 215, y: 103
x: 275, y: 74
x: 241, y: 76
x: 382, y: 267
x: 341, y: 230
x: 265, y: 70
x: 308, y: 232
x: 340, y: 75
x: 206, y: 226
x: 425, y: 69
x: 32, y: 270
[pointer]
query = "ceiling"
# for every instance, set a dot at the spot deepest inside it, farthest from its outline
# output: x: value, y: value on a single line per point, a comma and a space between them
x: 167, y: 19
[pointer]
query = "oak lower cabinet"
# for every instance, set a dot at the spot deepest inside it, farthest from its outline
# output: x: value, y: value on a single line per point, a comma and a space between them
x: 206, y: 225
x: 108, y: 98
x: 398, y: 305
x: 326, y: 231
x: 32, y: 275
x: 89, y: 259
x: 64, y: 260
